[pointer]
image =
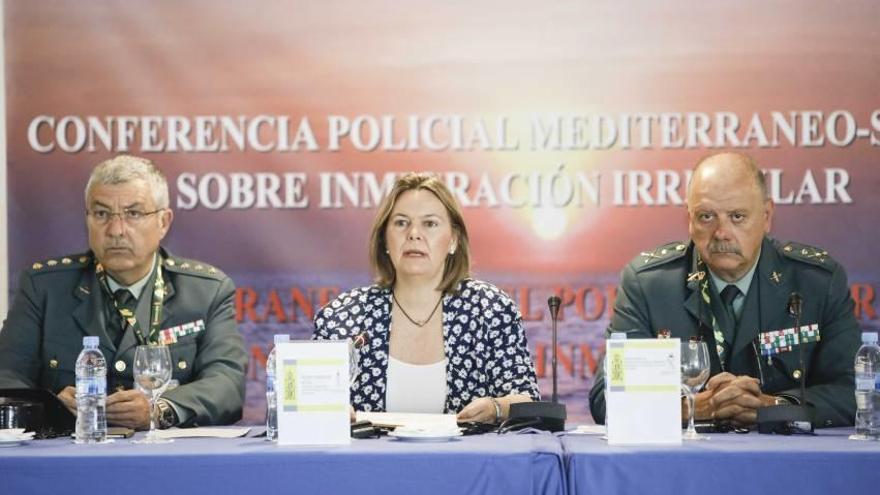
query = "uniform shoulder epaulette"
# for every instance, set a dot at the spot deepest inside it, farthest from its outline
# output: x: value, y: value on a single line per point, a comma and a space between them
x: 192, y: 267
x: 660, y: 255
x: 74, y: 261
x: 809, y: 254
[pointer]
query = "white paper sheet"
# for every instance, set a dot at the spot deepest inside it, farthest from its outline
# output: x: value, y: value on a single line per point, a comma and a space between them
x: 202, y: 432
x: 434, y: 422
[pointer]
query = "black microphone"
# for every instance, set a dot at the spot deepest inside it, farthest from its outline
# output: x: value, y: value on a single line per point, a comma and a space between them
x: 790, y: 418
x: 554, y: 303
x: 542, y: 415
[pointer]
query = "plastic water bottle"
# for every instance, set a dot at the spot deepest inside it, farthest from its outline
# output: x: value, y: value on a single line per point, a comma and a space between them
x: 271, y: 399
x: 867, y: 371
x: 91, y: 393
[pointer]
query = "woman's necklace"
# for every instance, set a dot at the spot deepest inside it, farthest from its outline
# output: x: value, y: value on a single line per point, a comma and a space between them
x: 418, y: 323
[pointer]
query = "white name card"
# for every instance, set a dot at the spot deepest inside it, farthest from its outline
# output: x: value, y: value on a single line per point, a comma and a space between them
x: 312, y: 384
x: 643, y: 394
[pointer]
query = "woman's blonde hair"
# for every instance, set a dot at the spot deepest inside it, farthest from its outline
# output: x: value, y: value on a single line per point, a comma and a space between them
x: 458, y: 264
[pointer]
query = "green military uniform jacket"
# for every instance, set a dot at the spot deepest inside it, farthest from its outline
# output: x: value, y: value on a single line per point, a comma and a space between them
x: 60, y: 301
x: 659, y: 292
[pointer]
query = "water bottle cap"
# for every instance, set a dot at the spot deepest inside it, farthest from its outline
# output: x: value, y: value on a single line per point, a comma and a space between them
x: 282, y: 338
x: 869, y: 337
x: 90, y: 341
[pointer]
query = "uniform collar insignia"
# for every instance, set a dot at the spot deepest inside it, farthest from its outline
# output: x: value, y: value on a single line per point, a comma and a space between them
x: 699, y: 269
x: 776, y: 277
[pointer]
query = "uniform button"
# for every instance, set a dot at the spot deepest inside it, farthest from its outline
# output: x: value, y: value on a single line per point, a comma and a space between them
x: 796, y: 374
x: 53, y: 363
x: 120, y: 366
x: 181, y: 364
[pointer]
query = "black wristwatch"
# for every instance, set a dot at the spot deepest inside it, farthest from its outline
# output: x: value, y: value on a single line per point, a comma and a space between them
x: 165, y: 415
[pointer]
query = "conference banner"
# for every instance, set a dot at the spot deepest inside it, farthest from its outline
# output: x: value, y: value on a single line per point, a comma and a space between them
x: 566, y: 130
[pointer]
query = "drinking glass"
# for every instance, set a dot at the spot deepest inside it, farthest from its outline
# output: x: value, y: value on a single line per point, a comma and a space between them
x: 152, y: 374
x: 694, y: 374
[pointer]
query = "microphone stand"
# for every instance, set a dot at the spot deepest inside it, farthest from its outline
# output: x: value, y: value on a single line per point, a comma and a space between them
x: 542, y: 415
x: 794, y: 417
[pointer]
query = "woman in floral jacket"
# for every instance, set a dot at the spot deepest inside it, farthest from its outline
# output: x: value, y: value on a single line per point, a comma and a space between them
x: 429, y: 338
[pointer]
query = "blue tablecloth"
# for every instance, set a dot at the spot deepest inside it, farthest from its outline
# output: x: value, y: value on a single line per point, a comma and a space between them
x: 509, y: 464
x: 728, y: 463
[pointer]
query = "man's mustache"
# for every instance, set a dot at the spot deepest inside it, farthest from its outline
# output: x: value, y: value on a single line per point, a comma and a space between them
x: 724, y: 248
x: 117, y: 245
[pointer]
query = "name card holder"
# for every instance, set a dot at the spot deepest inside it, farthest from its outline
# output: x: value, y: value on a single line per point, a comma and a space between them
x: 643, y: 394
x: 312, y: 383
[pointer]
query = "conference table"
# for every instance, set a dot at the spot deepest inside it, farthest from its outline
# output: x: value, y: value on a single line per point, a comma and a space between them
x: 508, y: 464
x: 539, y: 463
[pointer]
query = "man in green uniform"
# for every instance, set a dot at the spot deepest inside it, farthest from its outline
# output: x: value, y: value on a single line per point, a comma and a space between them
x: 128, y: 290
x: 730, y: 285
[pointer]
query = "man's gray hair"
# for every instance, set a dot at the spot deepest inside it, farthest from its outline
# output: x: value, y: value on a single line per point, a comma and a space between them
x: 123, y: 169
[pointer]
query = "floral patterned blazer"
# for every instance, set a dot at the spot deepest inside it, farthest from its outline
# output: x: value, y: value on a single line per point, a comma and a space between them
x: 483, y: 335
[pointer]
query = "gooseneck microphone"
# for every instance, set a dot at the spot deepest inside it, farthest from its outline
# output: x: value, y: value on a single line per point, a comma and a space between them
x: 554, y: 303
x: 542, y: 415
x: 787, y: 419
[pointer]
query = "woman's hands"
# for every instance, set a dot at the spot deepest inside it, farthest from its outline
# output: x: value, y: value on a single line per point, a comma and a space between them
x: 483, y: 409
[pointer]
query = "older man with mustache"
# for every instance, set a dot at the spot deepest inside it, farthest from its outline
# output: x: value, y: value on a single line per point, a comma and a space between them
x: 729, y: 286
x: 113, y: 292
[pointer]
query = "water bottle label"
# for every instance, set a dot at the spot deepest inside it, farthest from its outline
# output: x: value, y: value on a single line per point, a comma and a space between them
x: 865, y: 383
x: 91, y: 386
x: 270, y: 384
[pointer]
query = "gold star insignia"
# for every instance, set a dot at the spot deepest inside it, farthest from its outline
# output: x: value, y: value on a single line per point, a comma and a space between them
x: 37, y: 266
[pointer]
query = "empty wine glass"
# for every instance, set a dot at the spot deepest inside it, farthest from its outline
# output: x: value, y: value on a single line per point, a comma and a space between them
x: 694, y: 374
x: 152, y: 373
